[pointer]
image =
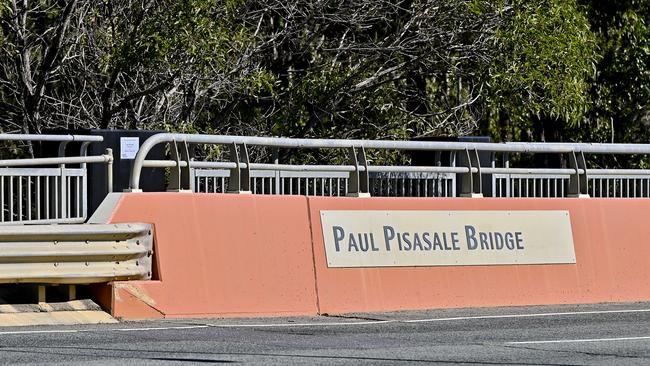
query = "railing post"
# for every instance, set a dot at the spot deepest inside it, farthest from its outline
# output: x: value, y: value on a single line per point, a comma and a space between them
x: 493, y: 164
x: 578, y: 183
x: 276, y: 161
x: 506, y: 164
x: 109, y: 174
x: 175, y: 172
x: 63, y: 187
x: 182, y: 175
x: 452, y: 162
x: 83, y: 151
x: 62, y: 146
x: 239, y: 181
x: 471, y: 185
x: 359, y: 181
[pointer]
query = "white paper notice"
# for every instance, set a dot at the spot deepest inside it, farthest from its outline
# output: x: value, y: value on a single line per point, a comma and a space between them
x: 129, y: 146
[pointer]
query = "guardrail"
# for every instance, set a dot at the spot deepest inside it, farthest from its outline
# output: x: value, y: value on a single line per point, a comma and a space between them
x: 360, y: 178
x: 75, y: 254
x: 48, y: 190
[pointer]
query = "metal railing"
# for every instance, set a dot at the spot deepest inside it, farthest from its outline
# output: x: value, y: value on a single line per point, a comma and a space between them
x: 75, y: 254
x: 48, y: 190
x: 463, y: 174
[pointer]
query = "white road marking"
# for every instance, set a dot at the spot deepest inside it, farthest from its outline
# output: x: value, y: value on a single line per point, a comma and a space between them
x: 582, y: 340
x: 284, y: 325
x: 161, y: 328
x: 40, y: 331
x: 342, y: 324
x: 100, y: 330
x: 533, y: 315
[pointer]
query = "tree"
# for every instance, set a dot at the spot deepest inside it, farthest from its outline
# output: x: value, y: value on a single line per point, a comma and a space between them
x: 35, y: 44
x: 540, y: 76
x: 365, y: 69
x: 116, y: 63
x: 371, y: 69
x: 621, y: 89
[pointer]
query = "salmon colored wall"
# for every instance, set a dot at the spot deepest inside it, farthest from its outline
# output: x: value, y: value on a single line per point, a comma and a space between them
x: 220, y: 255
x: 238, y: 255
x: 612, y: 245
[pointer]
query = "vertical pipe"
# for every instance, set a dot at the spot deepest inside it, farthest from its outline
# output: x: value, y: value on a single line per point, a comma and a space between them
x: 11, y: 198
x: 38, y: 197
x: 78, y: 196
x: 29, y: 197
x: 55, y: 205
x: 2, y: 198
x: 68, y: 194
x: 47, y: 197
x: 109, y: 171
x: 19, y: 198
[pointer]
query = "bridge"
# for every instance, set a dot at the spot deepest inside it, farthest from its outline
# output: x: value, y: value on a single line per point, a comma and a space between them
x: 249, y: 226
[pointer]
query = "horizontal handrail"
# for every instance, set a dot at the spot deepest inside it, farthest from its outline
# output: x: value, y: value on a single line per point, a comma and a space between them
x: 305, y: 168
x: 106, y: 158
x: 283, y: 142
x: 56, y: 138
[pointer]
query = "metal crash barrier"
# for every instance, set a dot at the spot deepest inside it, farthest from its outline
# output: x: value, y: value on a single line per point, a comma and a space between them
x: 450, y: 162
x: 75, y: 254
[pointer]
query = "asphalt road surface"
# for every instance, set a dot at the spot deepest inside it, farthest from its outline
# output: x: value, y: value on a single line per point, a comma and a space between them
x: 559, y: 335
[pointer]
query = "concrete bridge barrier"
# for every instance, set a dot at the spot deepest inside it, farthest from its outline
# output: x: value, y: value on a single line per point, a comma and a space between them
x: 243, y: 255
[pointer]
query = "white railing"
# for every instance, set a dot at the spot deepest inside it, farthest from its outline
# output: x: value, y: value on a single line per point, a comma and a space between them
x: 48, y: 190
x: 330, y: 183
x: 464, y: 175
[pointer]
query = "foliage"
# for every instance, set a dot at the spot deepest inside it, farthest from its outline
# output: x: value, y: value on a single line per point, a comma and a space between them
x: 547, y: 70
x: 540, y: 76
x: 621, y: 89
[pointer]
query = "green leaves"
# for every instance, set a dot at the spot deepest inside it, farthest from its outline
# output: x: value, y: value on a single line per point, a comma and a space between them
x: 522, y: 70
x: 545, y: 57
x: 621, y: 91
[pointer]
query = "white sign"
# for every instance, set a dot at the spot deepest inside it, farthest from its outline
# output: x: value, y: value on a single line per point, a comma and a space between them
x: 446, y: 238
x: 129, y: 147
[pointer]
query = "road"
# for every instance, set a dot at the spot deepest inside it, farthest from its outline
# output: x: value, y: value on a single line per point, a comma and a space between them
x: 549, y: 335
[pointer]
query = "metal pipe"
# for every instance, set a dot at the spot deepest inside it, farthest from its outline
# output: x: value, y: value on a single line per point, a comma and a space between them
x: 55, y: 161
x: 308, y: 168
x: 619, y: 172
x: 37, y: 137
x: 109, y: 170
x: 541, y: 171
x: 281, y: 142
